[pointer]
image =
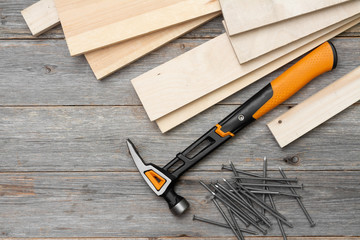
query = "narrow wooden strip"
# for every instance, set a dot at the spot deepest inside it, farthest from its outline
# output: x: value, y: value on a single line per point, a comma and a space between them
x: 317, y: 109
x: 92, y: 24
x: 41, y: 16
x: 255, y: 43
x: 107, y: 60
x: 188, y: 111
x: 239, y: 14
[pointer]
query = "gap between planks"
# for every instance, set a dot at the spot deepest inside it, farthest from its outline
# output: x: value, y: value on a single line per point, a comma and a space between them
x: 193, y: 238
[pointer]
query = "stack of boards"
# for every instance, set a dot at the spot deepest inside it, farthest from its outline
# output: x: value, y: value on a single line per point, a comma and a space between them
x: 112, y: 34
x: 261, y: 36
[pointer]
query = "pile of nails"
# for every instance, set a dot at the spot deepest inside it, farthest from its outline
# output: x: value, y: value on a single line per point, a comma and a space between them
x: 247, y: 203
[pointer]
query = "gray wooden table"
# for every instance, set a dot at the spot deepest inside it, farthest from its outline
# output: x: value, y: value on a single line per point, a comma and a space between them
x: 64, y: 166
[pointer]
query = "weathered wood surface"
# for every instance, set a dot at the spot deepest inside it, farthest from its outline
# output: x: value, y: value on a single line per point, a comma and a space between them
x: 93, y: 139
x: 45, y: 71
x: 65, y: 170
x: 12, y: 24
x: 116, y: 204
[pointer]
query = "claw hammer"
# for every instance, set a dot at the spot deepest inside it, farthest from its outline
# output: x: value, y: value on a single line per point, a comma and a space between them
x: 162, y: 180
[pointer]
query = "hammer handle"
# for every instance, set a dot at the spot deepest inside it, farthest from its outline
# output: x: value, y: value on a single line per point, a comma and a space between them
x: 320, y: 60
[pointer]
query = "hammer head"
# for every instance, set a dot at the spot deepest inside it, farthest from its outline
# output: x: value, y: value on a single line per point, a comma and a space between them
x: 160, y: 181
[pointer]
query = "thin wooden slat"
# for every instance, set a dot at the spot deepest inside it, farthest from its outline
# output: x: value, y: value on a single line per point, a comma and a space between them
x: 107, y: 60
x: 184, y: 113
x: 239, y: 14
x: 317, y: 109
x: 195, y: 74
x: 255, y: 43
x: 41, y: 16
x: 92, y: 24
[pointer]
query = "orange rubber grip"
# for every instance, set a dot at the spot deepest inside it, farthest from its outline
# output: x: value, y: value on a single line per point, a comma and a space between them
x: 320, y: 60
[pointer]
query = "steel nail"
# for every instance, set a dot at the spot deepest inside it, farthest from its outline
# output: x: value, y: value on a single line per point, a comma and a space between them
x: 274, y: 193
x: 264, y: 231
x: 272, y: 185
x: 224, y: 225
x: 264, y: 182
x: 311, y: 221
x: 250, y: 208
x: 259, y: 215
x: 236, y: 225
x: 244, y: 216
x: 242, y: 172
x: 268, y: 179
x: 226, y: 219
x: 264, y: 205
x: 281, y: 227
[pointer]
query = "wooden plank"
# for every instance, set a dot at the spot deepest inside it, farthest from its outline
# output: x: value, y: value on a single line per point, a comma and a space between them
x: 216, y: 66
x: 317, y: 109
x: 252, y: 44
x: 41, y: 17
x: 239, y: 14
x: 13, y: 25
x: 61, y: 80
x: 184, y: 113
x: 107, y: 60
x: 94, y: 204
x: 77, y: 139
x: 89, y: 25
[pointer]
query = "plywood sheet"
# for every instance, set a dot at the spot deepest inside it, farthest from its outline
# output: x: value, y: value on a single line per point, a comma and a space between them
x: 317, y: 109
x: 41, y: 16
x: 239, y: 14
x: 107, y: 60
x: 188, y: 111
x: 93, y: 24
x: 252, y: 44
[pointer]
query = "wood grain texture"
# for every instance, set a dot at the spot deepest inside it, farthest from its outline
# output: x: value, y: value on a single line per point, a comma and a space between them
x: 239, y: 14
x: 64, y: 166
x: 184, y: 113
x: 217, y: 68
x: 98, y: 204
x: 236, y: 41
x: 57, y: 79
x: 44, y: 139
x: 317, y: 109
x: 41, y: 16
x: 13, y: 26
x: 107, y: 60
x: 259, y: 41
x: 90, y: 25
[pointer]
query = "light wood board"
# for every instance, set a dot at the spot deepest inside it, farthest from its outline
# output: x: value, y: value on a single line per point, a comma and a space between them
x: 252, y: 44
x: 317, y: 109
x: 93, y: 24
x: 188, y: 111
x: 107, y: 60
x: 239, y: 14
x: 194, y: 74
x: 41, y: 16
